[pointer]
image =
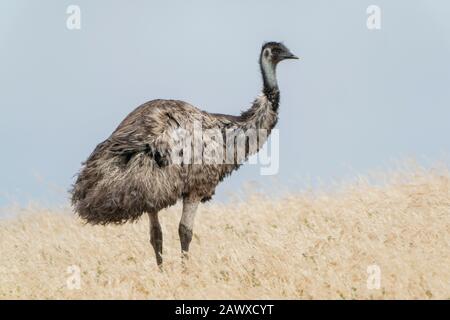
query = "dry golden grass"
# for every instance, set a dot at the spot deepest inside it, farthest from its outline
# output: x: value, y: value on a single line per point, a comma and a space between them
x: 305, y: 246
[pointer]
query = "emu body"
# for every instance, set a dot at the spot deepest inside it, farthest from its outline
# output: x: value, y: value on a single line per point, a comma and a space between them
x: 132, y: 171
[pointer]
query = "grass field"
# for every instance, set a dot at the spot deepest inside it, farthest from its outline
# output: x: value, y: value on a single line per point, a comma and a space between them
x: 310, y: 245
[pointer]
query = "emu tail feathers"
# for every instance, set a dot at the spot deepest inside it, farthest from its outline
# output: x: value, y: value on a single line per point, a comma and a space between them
x: 107, y: 190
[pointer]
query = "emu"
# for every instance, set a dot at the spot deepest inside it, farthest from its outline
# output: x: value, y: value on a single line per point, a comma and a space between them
x: 134, y: 172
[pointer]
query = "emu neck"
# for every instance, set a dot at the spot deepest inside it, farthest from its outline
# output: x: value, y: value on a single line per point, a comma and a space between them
x: 263, y: 114
x: 270, y: 83
x: 269, y: 74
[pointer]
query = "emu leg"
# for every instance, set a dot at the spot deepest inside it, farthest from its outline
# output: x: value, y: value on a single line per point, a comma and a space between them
x: 156, y: 237
x: 187, y: 224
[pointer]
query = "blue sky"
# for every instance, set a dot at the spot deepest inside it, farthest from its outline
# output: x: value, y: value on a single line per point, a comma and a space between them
x: 357, y: 100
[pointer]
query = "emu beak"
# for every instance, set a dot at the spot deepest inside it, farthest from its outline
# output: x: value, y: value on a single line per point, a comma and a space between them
x: 291, y: 56
x: 288, y: 55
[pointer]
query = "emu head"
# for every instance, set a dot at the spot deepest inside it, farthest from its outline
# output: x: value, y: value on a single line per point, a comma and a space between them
x: 271, y: 54
x: 274, y: 52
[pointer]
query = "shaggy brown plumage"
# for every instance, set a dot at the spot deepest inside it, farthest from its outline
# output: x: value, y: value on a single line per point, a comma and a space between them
x: 126, y: 175
x: 132, y: 171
